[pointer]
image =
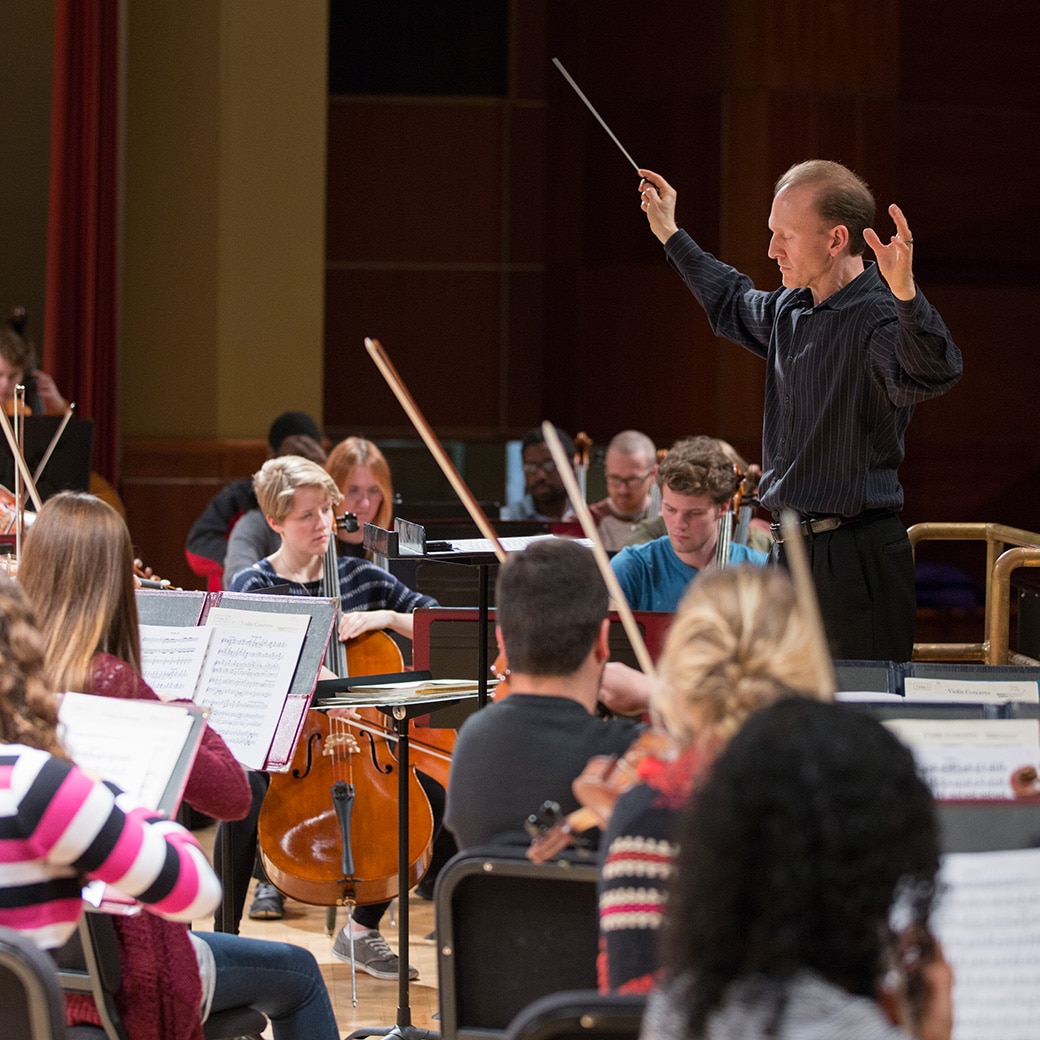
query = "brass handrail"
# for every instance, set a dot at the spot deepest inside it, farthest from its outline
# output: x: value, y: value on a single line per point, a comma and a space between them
x: 1000, y: 563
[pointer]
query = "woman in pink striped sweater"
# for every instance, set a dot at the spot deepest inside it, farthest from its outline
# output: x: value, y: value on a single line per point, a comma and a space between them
x: 77, y: 568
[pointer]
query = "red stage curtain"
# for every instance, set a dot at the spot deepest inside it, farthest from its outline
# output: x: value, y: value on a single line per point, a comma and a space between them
x: 82, y: 293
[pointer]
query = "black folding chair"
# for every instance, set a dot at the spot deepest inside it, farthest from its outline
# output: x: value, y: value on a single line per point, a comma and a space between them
x: 508, y: 932
x: 89, y: 963
x: 580, y: 1015
x: 33, y: 1007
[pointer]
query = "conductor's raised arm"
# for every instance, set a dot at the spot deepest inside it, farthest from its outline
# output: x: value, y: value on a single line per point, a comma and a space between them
x: 657, y: 200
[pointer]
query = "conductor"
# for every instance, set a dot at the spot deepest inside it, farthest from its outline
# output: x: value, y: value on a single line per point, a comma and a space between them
x: 850, y: 347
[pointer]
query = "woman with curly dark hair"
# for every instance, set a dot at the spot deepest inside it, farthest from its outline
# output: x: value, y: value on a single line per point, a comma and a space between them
x: 811, y: 841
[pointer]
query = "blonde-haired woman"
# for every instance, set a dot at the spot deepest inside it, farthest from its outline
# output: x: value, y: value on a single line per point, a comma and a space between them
x: 297, y: 496
x: 739, y: 642
x: 362, y: 475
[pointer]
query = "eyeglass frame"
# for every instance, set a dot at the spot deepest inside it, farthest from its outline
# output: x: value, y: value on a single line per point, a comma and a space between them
x: 628, y: 483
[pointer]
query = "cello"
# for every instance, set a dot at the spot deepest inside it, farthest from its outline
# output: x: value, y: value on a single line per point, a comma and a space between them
x: 328, y: 828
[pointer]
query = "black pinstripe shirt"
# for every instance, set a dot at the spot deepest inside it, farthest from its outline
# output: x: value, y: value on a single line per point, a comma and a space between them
x: 842, y: 378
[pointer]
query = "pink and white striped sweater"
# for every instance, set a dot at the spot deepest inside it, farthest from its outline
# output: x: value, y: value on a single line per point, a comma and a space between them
x: 59, y: 826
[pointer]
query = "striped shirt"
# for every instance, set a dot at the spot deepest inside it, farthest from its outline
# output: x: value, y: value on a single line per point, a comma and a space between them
x: 842, y: 379
x: 363, y: 586
x: 59, y: 826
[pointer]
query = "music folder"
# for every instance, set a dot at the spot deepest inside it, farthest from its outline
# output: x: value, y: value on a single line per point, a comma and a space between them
x: 257, y: 668
x: 145, y: 748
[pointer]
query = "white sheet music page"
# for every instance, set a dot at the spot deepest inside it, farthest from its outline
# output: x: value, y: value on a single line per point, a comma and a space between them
x: 970, y: 758
x: 971, y: 690
x: 247, y: 675
x: 135, y: 744
x: 171, y: 659
x: 988, y: 922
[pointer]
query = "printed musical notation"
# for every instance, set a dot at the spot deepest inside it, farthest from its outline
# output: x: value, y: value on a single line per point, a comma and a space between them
x: 988, y: 921
x: 240, y: 664
x: 968, y: 759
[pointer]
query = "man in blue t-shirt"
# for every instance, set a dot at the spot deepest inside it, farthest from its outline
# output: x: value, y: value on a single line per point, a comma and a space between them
x: 697, y: 482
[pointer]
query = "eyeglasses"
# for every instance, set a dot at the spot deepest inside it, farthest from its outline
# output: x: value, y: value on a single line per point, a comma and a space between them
x: 628, y: 482
x: 531, y: 468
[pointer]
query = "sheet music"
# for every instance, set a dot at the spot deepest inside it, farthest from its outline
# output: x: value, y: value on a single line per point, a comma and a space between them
x: 513, y: 544
x: 172, y: 658
x: 970, y: 690
x: 988, y: 922
x: 135, y: 744
x: 970, y: 758
x: 247, y: 672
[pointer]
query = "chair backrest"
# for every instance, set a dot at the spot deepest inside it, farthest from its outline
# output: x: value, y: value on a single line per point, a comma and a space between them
x: 33, y: 1008
x: 89, y: 963
x: 508, y: 932
x: 580, y: 1015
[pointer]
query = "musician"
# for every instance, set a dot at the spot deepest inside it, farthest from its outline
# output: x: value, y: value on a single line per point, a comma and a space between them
x: 18, y: 366
x: 739, y: 642
x: 759, y: 535
x: 697, y: 482
x: 58, y: 825
x: 206, y: 548
x: 78, y: 571
x: 297, y: 497
x: 850, y: 348
x: 629, y: 469
x: 362, y: 474
x: 515, y: 754
x: 806, y: 878
x: 545, y: 497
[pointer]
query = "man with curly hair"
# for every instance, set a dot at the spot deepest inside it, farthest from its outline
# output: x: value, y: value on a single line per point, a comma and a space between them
x: 697, y: 481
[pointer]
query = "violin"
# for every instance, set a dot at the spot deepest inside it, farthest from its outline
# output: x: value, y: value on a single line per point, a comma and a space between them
x: 599, y: 786
x: 327, y: 832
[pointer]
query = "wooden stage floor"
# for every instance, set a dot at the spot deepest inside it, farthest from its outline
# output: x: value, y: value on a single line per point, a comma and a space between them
x: 376, y: 999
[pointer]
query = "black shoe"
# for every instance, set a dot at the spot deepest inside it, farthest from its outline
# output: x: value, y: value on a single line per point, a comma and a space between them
x: 268, y: 903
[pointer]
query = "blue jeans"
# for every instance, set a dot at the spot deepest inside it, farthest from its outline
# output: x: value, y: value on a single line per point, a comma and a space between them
x: 279, y: 979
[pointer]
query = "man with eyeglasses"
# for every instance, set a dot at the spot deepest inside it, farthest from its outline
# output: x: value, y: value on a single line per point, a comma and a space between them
x: 545, y: 497
x: 629, y: 469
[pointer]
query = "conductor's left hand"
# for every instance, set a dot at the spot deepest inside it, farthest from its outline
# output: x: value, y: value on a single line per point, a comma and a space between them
x: 895, y: 260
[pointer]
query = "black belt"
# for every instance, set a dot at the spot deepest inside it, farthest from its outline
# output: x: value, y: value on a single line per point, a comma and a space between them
x: 821, y: 524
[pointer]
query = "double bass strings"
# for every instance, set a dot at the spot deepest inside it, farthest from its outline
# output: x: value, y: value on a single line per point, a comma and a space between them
x: 588, y: 104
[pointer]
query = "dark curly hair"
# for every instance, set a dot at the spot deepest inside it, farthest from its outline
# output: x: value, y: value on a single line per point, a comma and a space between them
x: 811, y: 825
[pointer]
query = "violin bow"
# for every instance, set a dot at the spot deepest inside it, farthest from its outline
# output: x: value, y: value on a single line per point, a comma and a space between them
x: 54, y: 442
x: 19, y: 460
x: 396, y: 384
x: 805, y: 592
x: 588, y: 526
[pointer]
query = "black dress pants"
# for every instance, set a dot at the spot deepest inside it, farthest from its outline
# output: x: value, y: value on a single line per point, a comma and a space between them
x: 864, y: 577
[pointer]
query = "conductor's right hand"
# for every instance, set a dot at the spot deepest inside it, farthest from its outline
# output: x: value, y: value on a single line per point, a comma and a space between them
x: 657, y: 201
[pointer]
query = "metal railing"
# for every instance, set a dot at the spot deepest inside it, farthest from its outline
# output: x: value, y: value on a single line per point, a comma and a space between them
x: 1007, y: 549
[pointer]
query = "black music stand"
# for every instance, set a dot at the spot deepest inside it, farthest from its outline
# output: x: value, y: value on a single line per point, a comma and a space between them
x: 400, y: 710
